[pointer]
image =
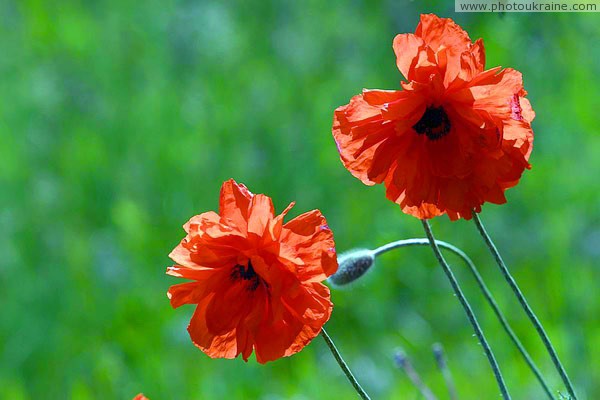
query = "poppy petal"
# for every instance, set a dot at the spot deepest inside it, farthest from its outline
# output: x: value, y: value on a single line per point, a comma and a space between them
x: 313, y: 242
x: 222, y: 345
x: 260, y: 213
x: 185, y: 293
x: 439, y: 32
x: 357, y: 148
x: 407, y: 46
x: 234, y: 203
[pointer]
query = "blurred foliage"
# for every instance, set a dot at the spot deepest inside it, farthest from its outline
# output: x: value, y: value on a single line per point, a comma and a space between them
x: 120, y: 119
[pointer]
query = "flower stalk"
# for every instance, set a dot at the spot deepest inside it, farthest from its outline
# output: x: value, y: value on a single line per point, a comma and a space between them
x: 525, y: 305
x: 338, y: 357
x: 402, y: 361
x: 354, y: 264
x: 440, y: 359
x: 468, y: 310
x: 486, y: 293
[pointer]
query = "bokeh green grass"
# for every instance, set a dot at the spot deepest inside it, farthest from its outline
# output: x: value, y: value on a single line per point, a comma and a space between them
x: 121, y: 119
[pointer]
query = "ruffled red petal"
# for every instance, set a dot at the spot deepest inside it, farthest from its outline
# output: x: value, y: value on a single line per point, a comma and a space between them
x: 367, y: 131
x: 407, y: 48
x: 310, y: 241
x: 439, y: 33
x: 222, y: 345
x: 234, y: 203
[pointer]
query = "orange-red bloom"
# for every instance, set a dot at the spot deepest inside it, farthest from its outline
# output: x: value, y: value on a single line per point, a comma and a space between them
x: 456, y: 136
x: 256, y: 280
x: 140, y: 396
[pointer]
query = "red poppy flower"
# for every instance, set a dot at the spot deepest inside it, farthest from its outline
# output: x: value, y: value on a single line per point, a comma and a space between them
x: 456, y: 136
x: 140, y: 397
x: 256, y: 280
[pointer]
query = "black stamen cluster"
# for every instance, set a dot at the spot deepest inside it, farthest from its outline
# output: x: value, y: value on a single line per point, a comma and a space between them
x: 246, y: 274
x: 434, y: 123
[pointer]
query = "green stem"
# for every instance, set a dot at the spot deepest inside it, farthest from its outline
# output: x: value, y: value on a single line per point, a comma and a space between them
x: 440, y: 359
x: 486, y: 292
x: 532, y: 317
x: 402, y: 361
x: 468, y: 310
x: 344, y: 366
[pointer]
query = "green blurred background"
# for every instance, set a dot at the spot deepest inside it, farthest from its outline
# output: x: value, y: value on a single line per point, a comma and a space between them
x: 120, y: 119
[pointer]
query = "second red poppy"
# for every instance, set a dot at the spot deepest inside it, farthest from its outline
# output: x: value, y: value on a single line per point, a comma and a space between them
x: 455, y: 137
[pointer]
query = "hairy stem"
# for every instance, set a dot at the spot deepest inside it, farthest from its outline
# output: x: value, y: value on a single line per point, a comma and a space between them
x: 468, y: 310
x: 344, y: 366
x: 532, y: 317
x: 486, y: 292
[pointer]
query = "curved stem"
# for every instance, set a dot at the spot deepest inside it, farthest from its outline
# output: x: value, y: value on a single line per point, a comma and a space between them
x: 486, y: 292
x: 405, y: 243
x: 343, y: 365
x: 532, y: 317
x: 467, y: 307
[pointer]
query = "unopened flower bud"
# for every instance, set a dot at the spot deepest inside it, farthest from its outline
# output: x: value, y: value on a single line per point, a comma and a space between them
x: 352, y: 265
x: 400, y: 358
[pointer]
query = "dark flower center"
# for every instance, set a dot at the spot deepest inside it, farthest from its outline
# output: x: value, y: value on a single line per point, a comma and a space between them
x: 434, y: 123
x: 246, y: 273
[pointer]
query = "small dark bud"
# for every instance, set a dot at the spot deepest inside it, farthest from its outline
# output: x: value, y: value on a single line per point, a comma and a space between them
x: 400, y: 358
x: 352, y: 265
x: 438, y: 353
